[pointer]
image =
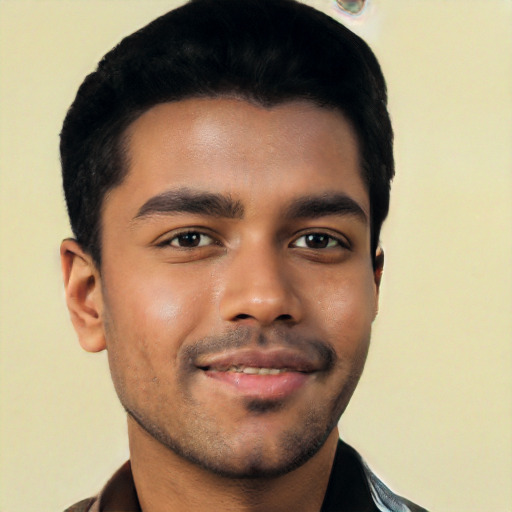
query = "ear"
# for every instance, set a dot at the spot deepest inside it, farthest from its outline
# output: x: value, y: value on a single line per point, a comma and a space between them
x: 377, y: 275
x: 83, y: 295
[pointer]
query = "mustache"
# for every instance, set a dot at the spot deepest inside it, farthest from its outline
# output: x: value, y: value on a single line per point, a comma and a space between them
x: 247, y: 337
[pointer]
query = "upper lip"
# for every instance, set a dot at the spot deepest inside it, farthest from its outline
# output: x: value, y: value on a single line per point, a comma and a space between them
x: 274, y: 358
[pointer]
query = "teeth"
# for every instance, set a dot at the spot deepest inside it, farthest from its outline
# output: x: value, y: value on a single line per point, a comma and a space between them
x: 252, y: 370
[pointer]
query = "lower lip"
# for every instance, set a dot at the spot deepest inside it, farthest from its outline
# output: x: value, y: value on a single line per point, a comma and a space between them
x: 263, y: 387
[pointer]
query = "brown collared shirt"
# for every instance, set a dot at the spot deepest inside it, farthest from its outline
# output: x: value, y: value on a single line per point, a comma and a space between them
x: 352, y: 488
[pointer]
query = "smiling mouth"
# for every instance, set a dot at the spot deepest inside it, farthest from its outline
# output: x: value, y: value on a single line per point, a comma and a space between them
x: 259, y: 375
x: 256, y: 362
x: 256, y: 382
x: 252, y: 370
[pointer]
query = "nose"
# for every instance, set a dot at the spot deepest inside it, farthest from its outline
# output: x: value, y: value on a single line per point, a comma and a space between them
x: 259, y: 287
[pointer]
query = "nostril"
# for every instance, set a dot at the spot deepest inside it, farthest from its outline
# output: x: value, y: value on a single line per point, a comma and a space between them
x: 282, y: 318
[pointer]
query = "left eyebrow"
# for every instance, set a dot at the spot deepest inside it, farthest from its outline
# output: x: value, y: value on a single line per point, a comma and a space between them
x: 185, y: 200
x: 324, y: 205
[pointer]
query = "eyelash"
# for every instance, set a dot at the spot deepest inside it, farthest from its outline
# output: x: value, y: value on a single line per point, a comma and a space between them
x: 168, y: 241
x: 338, y: 242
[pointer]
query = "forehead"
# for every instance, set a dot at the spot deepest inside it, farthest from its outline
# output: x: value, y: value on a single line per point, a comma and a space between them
x: 232, y: 146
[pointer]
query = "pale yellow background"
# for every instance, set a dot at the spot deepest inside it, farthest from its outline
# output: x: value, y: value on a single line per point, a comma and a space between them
x: 433, y: 413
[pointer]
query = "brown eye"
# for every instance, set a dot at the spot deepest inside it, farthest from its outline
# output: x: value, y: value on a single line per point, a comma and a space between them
x: 316, y: 241
x: 191, y: 240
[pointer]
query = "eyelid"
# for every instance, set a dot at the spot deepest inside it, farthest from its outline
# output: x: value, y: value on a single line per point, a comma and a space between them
x: 166, y: 239
x: 343, y: 242
x: 200, y: 235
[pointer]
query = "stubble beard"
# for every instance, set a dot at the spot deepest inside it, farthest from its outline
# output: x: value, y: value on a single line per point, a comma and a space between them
x: 203, y: 444
x: 197, y: 437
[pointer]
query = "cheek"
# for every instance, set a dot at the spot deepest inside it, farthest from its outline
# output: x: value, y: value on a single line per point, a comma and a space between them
x: 348, y: 309
x: 147, y: 321
x: 150, y: 317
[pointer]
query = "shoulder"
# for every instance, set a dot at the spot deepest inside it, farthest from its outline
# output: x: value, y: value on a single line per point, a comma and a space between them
x: 118, y: 494
x: 353, y: 483
x: 385, y: 499
x: 82, y: 506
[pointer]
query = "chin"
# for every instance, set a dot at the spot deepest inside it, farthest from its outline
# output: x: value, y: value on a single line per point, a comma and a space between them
x: 258, y: 462
x: 253, y: 454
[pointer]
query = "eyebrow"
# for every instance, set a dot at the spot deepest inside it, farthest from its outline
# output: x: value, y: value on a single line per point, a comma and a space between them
x: 313, y: 207
x: 185, y: 200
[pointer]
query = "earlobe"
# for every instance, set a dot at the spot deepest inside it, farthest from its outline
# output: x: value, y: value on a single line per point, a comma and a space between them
x: 377, y: 275
x: 83, y: 295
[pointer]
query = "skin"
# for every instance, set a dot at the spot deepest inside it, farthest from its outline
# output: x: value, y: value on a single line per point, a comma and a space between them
x: 259, y: 282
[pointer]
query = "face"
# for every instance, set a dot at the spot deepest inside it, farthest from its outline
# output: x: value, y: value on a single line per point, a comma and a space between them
x: 237, y: 283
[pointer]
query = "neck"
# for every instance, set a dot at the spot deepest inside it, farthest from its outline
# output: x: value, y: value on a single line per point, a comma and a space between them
x: 165, y: 480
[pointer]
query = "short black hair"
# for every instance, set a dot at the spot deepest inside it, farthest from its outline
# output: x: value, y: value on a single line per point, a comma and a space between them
x: 264, y: 51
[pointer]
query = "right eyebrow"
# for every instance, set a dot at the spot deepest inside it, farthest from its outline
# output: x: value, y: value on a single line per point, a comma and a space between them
x: 185, y: 200
x: 316, y: 206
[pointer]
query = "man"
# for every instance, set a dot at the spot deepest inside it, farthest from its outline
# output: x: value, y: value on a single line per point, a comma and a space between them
x: 227, y: 173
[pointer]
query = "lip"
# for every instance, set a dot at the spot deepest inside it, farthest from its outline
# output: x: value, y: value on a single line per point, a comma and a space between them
x: 276, y: 358
x: 296, y: 369
x: 261, y: 387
